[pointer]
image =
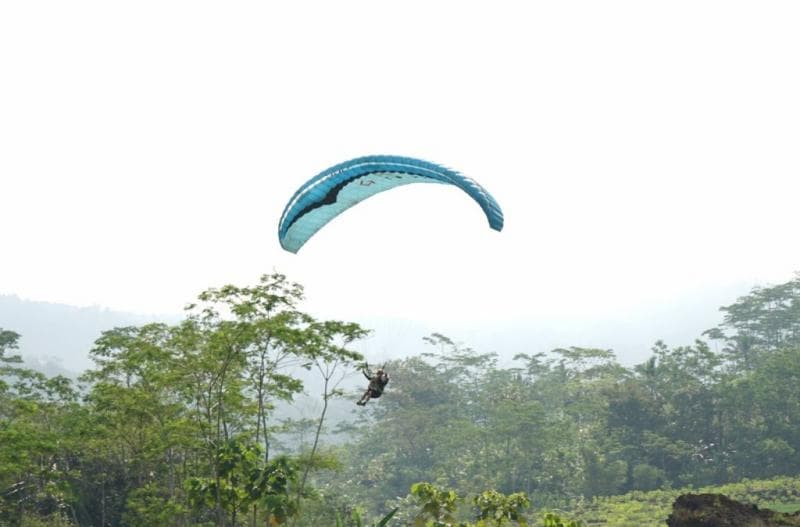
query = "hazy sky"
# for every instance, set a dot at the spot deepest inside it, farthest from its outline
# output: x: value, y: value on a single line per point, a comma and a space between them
x: 640, y: 150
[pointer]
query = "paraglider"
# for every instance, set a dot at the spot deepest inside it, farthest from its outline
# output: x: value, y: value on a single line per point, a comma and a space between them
x: 377, y: 383
x: 338, y: 188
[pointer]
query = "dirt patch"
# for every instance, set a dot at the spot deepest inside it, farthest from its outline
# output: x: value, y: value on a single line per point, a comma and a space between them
x: 716, y: 510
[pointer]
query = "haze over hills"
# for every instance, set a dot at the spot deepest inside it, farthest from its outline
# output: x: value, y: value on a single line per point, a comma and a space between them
x: 56, y: 338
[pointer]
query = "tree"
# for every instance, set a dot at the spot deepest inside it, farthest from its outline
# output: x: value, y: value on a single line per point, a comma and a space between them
x: 438, y: 505
x: 34, y: 461
x: 272, y: 335
x: 766, y: 320
x: 497, y: 509
x: 192, y: 402
x: 137, y: 431
x: 245, y: 478
x: 326, y: 344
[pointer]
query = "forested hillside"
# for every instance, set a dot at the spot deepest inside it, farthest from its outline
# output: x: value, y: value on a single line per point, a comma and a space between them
x: 176, y: 425
x: 56, y: 338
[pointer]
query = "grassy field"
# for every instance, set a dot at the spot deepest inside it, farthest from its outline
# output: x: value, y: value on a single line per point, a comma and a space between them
x: 781, y: 507
x: 650, y: 509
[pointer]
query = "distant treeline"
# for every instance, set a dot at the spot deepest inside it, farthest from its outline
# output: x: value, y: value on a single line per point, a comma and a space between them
x: 176, y: 425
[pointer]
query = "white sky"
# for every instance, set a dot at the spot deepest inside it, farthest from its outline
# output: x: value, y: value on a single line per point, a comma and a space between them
x: 640, y: 151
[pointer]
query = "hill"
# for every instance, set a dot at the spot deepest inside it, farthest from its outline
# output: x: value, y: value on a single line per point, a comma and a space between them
x: 56, y: 338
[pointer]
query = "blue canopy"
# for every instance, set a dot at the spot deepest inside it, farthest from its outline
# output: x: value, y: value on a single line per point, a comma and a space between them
x: 338, y: 188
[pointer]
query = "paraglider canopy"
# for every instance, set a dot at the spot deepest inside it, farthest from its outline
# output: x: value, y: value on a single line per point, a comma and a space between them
x: 338, y: 188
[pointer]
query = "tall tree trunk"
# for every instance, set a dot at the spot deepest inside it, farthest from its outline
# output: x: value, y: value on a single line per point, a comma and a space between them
x: 325, y: 397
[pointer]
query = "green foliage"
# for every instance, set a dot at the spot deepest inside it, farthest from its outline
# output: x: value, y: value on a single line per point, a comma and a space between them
x: 357, y: 520
x: 167, y: 404
x: 383, y: 522
x: 574, y: 423
x: 650, y: 509
x: 764, y: 321
x: 151, y: 505
x: 8, y: 342
x: 244, y: 478
x: 177, y: 425
x: 647, y: 477
x: 34, y: 460
x: 437, y: 505
x: 51, y: 520
x: 498, y: 509
x: 553, y: 520
x: 786, y: 508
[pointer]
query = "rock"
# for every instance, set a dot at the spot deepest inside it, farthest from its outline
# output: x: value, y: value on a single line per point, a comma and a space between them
x: 716, y: 510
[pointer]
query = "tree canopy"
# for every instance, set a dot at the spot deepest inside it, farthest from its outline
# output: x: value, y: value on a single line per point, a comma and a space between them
x: 181, y: 424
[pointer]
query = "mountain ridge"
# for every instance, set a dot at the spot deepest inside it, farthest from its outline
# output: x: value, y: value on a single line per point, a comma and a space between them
x: 58, y: 337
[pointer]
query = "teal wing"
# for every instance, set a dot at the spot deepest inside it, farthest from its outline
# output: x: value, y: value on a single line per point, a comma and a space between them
x: 338, y: 188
